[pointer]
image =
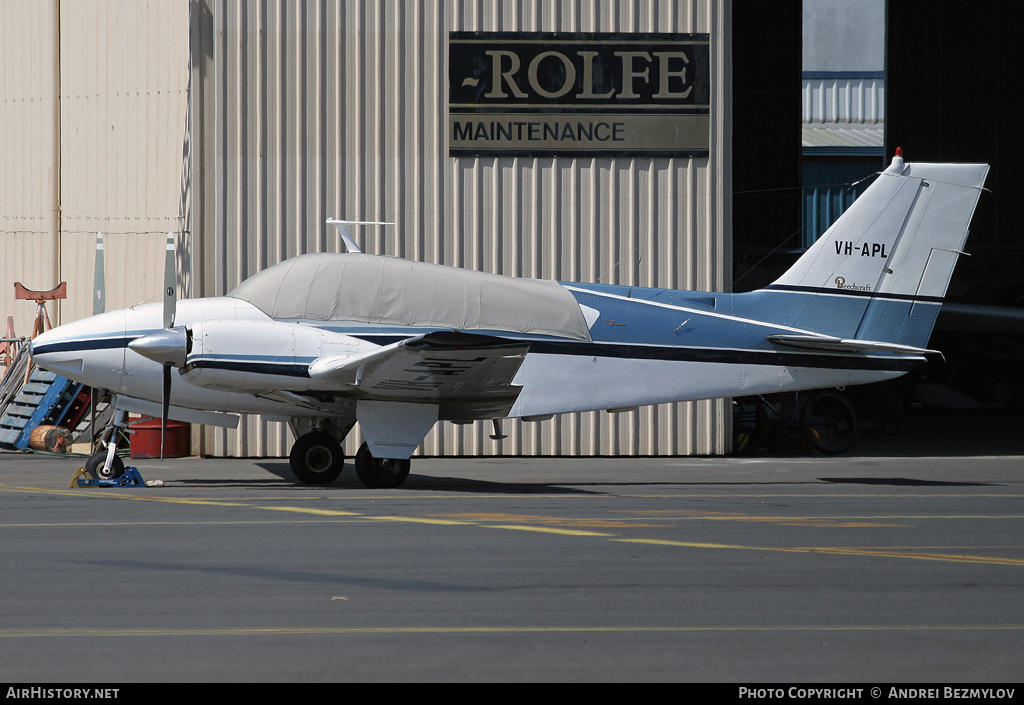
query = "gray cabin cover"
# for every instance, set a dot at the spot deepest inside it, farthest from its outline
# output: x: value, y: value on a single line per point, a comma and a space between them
x: 392, y: 291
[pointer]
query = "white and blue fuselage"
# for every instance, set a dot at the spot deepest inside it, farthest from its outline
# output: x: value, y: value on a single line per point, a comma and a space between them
x: 398, y: 345
x: 648, y: 346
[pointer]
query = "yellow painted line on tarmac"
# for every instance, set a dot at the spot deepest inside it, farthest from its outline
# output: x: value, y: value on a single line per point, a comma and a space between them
x: 537, y: 519
x: 945, y: 557
x: 200, y: 502
x: 97, y: 493
x: 418, y: 520
x: 50, y: 490
x: 701, y: 515
x: 83, y: 492
x: 839, y: 550
x: 484, y: 520
x: 544, y: 530
x: 35, y: 633
x: 309, y: 510
x: 820, y: 495
x: 690, y: 544
x: 135, y: 524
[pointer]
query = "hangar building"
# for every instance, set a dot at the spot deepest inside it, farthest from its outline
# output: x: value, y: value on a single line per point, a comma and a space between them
x: 557, y: 140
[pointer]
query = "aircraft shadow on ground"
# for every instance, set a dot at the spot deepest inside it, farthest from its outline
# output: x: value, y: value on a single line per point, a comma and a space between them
x: 435, y: 483
x: 903, y: 482
x: 283, y: 478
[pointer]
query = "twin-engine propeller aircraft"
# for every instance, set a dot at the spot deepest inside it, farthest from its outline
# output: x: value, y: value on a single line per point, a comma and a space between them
x: 326, y: 340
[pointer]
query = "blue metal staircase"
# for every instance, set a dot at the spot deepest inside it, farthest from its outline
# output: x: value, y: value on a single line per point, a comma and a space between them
x: 41, y: 399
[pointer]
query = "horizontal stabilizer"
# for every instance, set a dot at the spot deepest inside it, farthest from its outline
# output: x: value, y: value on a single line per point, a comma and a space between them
x: 822, y: 342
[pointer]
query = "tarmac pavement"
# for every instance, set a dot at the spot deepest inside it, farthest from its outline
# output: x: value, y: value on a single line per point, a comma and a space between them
x: 901, y: 562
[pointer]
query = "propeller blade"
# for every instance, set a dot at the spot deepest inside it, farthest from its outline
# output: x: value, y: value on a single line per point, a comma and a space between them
x: 170, y: 283
x: 99, y: 305
x: 165, y: 407
x: 99, y: 301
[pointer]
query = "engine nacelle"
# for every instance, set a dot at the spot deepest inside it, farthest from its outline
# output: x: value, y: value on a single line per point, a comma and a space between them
x: 258, y: 356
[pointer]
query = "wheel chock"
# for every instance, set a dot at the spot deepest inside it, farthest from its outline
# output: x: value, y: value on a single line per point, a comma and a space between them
x: 79, y: 473
x: 130, y: 478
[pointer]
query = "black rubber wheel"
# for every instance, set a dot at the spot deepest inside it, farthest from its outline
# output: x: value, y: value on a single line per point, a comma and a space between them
x: 380, y: 473
x: 829, y: 422
x: 316, y: 458
x: 94, y: 465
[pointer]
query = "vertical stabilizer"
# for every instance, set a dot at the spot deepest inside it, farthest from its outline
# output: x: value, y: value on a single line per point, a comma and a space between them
x: 890, y: 254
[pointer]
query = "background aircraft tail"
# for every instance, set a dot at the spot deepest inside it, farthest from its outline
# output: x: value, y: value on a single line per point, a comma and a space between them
x: 879, y: 274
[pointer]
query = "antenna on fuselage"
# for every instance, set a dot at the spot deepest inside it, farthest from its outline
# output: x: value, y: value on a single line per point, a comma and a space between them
x: 346, y: 236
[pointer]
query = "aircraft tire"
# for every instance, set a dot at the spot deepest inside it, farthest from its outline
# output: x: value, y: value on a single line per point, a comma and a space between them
x: 316, y: 458
x: 94, y: 465
x: 380, y: 473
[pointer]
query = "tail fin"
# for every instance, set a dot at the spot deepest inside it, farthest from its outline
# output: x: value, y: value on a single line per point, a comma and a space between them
x: 887, y: 261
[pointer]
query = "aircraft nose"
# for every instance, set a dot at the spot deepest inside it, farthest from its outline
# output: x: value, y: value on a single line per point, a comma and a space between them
x: 90, y: 351
x: 51, y: 351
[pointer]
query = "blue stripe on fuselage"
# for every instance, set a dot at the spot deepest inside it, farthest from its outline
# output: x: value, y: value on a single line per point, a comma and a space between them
x: 80, y: 345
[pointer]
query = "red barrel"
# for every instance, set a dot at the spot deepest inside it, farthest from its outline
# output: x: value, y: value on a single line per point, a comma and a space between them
x: 145, y: 439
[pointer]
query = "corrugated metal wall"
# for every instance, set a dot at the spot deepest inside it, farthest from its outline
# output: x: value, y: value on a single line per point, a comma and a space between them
x: 107, y: 156
x: 858, y: 99
x: 302, y: 111
x: 124, y: 106
x: 29, y: 138
x: 322, y: 108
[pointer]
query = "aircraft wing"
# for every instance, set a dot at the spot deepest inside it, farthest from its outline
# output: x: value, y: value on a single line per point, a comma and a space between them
x: 460, y: 371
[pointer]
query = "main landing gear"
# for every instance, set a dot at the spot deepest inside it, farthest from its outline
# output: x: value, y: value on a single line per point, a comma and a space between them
x: 317, y: 459
x: 380, y: 472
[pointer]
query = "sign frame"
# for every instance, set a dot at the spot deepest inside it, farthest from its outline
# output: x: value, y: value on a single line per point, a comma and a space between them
x: 579, y: 94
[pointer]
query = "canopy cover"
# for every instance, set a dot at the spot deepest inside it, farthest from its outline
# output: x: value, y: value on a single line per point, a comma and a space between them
x: 392, y: 291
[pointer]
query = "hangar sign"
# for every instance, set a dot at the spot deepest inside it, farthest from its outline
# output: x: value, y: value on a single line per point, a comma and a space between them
x: 578, y: 94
